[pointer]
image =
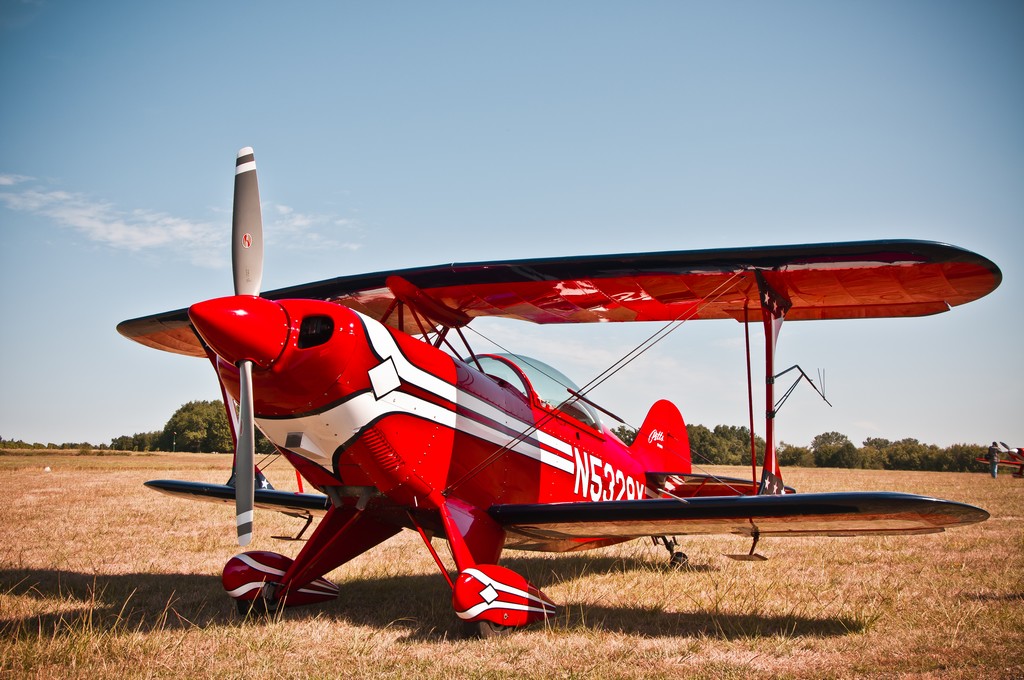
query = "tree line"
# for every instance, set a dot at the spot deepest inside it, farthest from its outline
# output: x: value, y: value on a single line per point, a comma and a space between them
x: 730, y: 445
x: 202, y: 427
x: 196, y: 427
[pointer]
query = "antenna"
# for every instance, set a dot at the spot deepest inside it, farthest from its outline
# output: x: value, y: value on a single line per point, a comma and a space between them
x: 802, y: 376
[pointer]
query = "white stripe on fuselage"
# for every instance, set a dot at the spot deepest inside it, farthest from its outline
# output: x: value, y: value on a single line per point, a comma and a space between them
x: 345, y: 421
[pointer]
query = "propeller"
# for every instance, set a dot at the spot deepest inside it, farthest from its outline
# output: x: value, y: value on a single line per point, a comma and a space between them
x: 247, y: 268
x: 245, y: 456
x: 246, y: 227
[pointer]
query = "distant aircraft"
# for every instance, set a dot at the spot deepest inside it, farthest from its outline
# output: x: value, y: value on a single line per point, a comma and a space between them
x: 1004, y: 455
x: 358, y: 384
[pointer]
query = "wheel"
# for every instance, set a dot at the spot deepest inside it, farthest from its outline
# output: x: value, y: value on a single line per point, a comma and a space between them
x: 485, y: 629
x: 257, y: 608
x: 679, y: 559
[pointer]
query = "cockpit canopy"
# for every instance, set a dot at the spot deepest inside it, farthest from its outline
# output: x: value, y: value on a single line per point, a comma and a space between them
x: 547, y: 384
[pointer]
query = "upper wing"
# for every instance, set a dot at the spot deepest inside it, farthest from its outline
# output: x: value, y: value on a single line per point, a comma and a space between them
x: 823, y: 281
x: 810, y: 514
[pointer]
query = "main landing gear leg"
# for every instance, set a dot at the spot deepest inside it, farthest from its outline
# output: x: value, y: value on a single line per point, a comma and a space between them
x: 488, y: 599
x: 676, y: 558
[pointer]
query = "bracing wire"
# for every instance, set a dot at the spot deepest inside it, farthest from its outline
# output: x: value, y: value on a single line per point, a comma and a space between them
x: 663, y: 332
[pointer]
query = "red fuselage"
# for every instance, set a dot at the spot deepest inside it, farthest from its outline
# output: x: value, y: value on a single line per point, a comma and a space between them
x: 354, y: 403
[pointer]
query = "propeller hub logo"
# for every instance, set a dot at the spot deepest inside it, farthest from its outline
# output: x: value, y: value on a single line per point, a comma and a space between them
x: 246, y: 240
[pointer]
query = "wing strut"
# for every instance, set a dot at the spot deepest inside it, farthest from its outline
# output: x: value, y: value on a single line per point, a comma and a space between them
x: 774, y: 306
x: 750, y: 397
x: 750, y: 556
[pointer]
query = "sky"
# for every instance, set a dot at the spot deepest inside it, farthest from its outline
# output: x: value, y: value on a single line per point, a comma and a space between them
x: 401, y: 134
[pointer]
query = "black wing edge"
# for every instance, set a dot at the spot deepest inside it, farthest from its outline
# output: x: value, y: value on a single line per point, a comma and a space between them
x: 801, y: 514
x: 171, y: 331
x: 293, y: 504
x: 623, y: 264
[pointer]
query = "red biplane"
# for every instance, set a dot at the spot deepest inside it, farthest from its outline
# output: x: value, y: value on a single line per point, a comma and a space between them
x: 1001, y: 454
x: 358, y: 383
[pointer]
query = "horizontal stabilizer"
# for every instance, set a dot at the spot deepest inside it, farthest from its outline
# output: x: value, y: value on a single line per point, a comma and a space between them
x: 687, y: 485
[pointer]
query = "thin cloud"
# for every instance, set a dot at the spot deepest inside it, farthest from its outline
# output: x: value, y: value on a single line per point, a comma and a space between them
x: 199, y: 242
x: 104, y: 223
x: 11, y: 180
x: 297, y: 230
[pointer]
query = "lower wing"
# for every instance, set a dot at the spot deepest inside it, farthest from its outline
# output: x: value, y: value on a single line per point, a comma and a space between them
x: 804, y: 514
x: 294, y: 504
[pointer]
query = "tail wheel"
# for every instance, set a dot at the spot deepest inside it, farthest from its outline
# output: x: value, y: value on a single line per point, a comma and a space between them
x: 679, y: 559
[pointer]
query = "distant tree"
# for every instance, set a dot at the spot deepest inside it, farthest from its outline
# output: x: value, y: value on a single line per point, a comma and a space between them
x: 198, y: 426
x: 626, y: 433
x: 963, y: 457
x: 702, y: 443
x: 933, y: 458
x: 19, y: 444
x: 877, y: 443
x: 725, y: 445
x: 202, y: 427
x: 735, y: 444
x: 145, y: 441
x: 833, y: 449
x: 796, y: 456
x: 905, y: 454
x: 140, y: 441
x: 872, y: 458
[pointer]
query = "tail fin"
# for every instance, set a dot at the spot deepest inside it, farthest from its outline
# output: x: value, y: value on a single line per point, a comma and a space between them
x: 662, y: 444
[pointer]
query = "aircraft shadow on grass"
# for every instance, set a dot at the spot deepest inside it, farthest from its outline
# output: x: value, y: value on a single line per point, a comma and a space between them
x: 418, y: 605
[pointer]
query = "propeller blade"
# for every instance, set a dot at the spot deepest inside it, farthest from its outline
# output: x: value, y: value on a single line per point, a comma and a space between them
x: 246, y: 227
x: 245, y: 455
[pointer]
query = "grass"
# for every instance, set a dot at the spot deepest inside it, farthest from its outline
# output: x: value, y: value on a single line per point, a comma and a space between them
x: 100, y: 577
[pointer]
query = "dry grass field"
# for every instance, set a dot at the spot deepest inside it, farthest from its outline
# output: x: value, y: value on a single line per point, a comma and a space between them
x: 100, y: 577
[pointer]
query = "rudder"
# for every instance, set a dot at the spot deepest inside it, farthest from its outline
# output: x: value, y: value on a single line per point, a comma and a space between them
x: 662, y: 444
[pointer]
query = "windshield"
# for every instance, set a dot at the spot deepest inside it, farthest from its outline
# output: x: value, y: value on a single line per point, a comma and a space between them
x: 551, y: 385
